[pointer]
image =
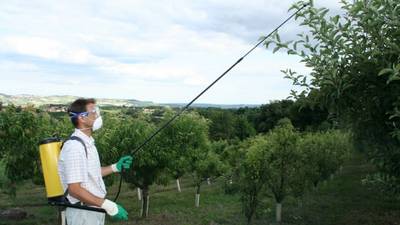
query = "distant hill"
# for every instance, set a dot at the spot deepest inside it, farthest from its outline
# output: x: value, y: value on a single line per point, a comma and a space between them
x: 36, y: 100
x: 65, y: 100
x: 207, y: 105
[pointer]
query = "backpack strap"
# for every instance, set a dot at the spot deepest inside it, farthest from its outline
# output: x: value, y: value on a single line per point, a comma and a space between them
x: 76, y: 138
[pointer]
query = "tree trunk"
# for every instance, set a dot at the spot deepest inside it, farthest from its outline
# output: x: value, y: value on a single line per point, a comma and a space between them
x: 208, y: 181
x: 278, y: 212
x: 251, y: 206
x: 145, y: 202
x: 315, y: 185
x: 178, y: 185
x: 139, y: 194
x: 250, y: 216
x: 248, y: 220
x: 148, y: 204
x: 197, y: 199
x: 61, y: 217
x: 300, y: 202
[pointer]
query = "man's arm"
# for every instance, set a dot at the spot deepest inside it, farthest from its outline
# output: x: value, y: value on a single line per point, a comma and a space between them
x: 124, y: 162
x: 106, y: 170
x: 83, y: 195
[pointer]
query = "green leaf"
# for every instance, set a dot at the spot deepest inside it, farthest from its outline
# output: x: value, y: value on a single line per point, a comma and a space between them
x: 335, y: 19
x: 385, y: 71
x: 393, y: 78
x: 278, y: 38
x: 294, y: 6
x: 267, y: 43
x: 296, y: 43
x: 324, y: 12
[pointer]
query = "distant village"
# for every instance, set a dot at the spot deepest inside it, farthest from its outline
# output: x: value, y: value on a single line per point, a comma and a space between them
x: 55, y: 108
x: 47, y: 108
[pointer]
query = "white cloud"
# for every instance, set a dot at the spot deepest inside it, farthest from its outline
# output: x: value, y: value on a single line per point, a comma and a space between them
x: 45, y: 48
x: 17, y: 66
x: 40, y: 47
x: 55, y: 51
x: 164, y: 51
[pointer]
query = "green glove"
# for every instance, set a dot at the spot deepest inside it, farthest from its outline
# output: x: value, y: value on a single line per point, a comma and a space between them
x: 116, y: 211
x: 124, y: 162
x: 121, y: 215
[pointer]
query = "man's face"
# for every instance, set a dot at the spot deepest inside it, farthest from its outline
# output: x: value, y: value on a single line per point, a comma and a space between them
x: 91, y: 108
x: 88, y: 121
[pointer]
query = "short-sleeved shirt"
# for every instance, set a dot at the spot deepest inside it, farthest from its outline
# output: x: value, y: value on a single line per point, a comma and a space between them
x: 74, y: 166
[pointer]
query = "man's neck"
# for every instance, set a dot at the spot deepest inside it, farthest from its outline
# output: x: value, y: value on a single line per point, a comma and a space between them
x: 87, y: 131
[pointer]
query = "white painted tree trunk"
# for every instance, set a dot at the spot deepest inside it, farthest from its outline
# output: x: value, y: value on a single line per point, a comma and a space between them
x: 178, y: 185
x: 63, y: 219
x: 148, y: 203
x: 278, y: 212
x: 208, y: 181
x: 139, y: 194
x: 197, y: 200
x: 146, y: 211
x: 141, y: 208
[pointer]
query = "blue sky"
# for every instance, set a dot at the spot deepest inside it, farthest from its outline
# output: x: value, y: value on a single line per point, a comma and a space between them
x: 161, y: 51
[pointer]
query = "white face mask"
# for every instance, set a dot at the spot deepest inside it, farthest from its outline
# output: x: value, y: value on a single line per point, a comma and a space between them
x: 98, y: 123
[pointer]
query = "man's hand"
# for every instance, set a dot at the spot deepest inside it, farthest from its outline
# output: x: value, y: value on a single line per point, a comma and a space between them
x: 124, y: 162
x: 116, y: 211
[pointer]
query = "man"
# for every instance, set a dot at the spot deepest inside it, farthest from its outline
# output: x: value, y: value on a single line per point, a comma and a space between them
x: 80, y: 170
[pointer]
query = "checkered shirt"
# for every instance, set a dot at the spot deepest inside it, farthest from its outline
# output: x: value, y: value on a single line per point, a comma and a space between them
x: 75, y: 167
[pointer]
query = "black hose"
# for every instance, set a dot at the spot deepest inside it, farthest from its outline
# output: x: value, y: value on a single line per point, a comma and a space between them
x: 120, y: 184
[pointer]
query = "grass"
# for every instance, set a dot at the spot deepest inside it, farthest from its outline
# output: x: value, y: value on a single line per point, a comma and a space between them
x: 341, y: 201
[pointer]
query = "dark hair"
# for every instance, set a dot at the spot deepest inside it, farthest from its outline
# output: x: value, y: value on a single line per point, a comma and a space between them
x: 79, y: 106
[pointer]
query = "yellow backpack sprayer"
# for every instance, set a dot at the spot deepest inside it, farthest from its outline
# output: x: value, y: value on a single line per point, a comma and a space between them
x: 50, y: 148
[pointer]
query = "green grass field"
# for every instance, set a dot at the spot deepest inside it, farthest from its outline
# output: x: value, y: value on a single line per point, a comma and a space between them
x: 342, y: 200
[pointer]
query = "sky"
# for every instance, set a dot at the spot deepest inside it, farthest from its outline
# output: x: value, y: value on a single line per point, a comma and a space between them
x: 165, y: 51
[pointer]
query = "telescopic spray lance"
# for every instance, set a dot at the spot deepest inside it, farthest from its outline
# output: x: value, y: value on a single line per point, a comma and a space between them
x: 148, y: 139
